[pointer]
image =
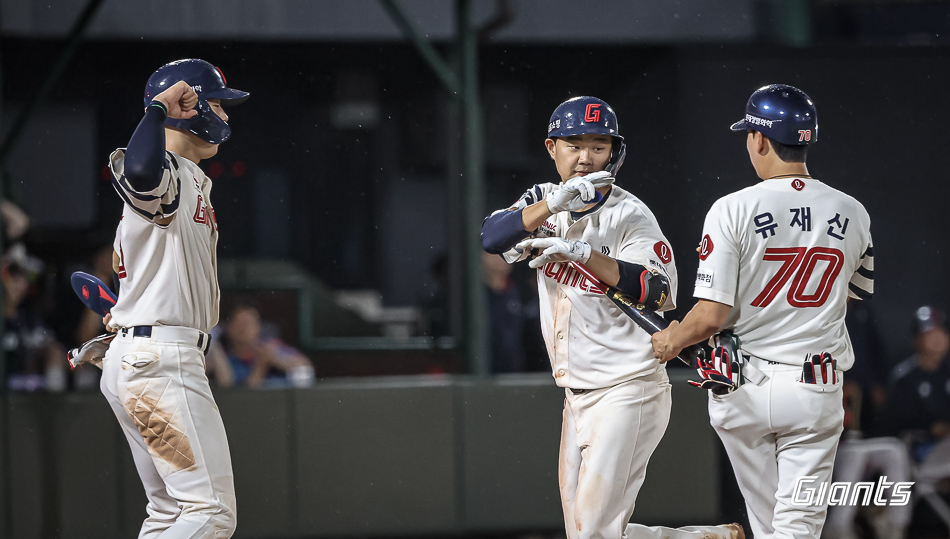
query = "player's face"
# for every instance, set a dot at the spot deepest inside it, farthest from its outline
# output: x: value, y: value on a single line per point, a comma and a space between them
x: 216, y: 107
x: 580, y: 154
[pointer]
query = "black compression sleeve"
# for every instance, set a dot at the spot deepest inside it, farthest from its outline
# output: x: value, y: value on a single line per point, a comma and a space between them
x: 502, y: 231
x: 145, y: 156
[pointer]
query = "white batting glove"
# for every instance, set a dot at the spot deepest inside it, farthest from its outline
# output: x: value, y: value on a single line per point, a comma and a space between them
x: 555, y: 250
x: 578, y: 192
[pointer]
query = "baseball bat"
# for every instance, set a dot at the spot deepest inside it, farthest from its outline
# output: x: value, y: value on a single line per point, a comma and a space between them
x: 650, y: 321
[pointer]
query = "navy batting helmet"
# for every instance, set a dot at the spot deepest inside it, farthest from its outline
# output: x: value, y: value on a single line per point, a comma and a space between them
x: 587, y: 115
x: 209, y: 83
x: 783, y: 113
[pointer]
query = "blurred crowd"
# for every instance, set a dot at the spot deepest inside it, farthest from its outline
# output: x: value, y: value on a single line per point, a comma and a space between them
x: 897, y: 428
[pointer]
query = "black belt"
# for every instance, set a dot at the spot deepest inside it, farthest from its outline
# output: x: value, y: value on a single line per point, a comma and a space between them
x: 203, y: 344
x: 579, y: 391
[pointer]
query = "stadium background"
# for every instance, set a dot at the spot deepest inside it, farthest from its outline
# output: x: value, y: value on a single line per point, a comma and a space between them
x: 353, y: 170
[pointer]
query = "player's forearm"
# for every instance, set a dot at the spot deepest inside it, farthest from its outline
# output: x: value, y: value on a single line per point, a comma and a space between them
x: 701, y: 323
x: 604, y: 267
x: 534, y: 215
x: 145, y: 155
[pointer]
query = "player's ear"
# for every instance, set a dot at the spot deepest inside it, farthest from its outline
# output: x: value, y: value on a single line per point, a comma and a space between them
x: 761, y: 143
x: 549, y: 143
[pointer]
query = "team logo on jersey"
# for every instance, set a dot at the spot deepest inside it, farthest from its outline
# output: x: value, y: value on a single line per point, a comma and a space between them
x: 204, y: 215
x: 566, y: 274
x: 705, y: 247
x: 548, y: 228
x: 663, y: 251
x: 798, y: 184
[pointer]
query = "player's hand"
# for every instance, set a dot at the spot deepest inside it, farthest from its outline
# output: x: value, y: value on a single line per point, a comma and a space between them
x: 663, y: 348
x: 578, y: 192
x: 555, y: 250
x: 105, y: 321
x: 180, y: 100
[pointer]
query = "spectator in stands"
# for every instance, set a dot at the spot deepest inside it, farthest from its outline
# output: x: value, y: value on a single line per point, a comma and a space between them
x: 918, y: 402
x: 35, y: 359
x: 505, y: 316
x: 256, y: 359
x: 435, y: 304
x: 865, y: 459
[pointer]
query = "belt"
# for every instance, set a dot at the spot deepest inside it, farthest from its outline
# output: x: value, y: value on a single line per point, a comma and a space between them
x: 171, y: 334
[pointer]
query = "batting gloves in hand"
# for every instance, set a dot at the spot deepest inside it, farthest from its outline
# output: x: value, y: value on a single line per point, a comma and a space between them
x: 722, y: 373
x: 91, y: 351
x: 578, y: 192
x: 555, y: 250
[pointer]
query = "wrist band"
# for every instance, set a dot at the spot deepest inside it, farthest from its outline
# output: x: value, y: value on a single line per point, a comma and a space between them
x: 160, y: 105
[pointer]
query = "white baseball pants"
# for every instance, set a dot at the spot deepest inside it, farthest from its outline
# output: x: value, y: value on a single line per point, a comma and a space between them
x: 159, y: 392
x: 607, y: 438
x: 775, y: 434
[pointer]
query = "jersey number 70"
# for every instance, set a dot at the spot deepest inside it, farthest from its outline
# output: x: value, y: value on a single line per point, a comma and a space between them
x: 801, y: 262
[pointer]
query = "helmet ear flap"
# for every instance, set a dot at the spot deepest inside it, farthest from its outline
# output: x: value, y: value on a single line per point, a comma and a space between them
x: 207, y: 125
x: 616, y: 158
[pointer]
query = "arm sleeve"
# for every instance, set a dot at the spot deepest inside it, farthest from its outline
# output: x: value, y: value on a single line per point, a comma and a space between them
x: 145, y: 156
x: 502, y: 230
x: 718, y: 273
x: 862, y: 282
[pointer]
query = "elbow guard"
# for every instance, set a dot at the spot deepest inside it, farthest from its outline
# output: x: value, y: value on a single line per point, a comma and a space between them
x: 645, y: 287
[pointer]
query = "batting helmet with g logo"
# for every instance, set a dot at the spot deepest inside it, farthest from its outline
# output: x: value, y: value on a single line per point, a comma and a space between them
x: 586, y: 115
x: 783, y: 113
x: 209, y: 83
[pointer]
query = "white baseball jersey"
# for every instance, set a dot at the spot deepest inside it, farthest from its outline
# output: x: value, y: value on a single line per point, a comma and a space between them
x: 590, y: 342
x: 167, y: 268
x: 786, y: 254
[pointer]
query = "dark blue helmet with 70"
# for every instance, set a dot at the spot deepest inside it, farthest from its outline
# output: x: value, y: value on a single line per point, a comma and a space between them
x: 209, y: 83
x: 783, y: 113
x: 587, y: 115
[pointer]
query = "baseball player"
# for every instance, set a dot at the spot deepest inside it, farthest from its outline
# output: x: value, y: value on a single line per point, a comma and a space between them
x: 777, y: 264
x: 153, y: 372
x: 617, y: 396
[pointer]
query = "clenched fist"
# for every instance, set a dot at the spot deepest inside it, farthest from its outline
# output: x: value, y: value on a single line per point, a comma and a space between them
x: 180, y: 100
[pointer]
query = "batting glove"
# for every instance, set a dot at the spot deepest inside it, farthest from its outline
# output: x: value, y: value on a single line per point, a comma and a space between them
x: 91, y: 351
x: 820, y: 369
x: 723, y: 372
x: 578, y: 192
x: 555, y: 250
